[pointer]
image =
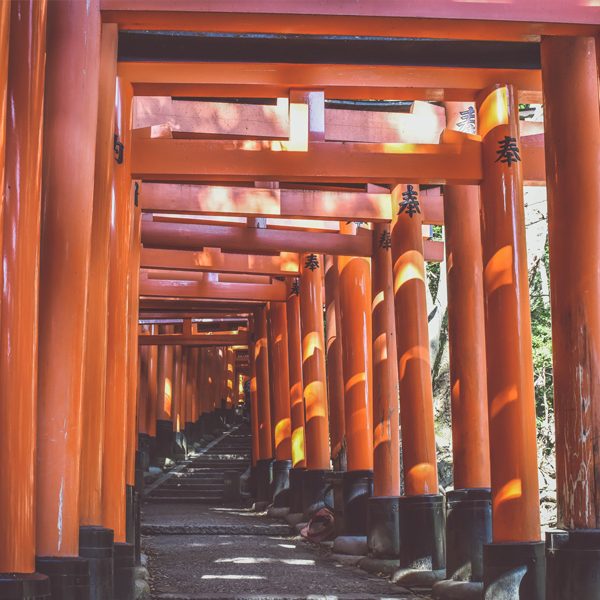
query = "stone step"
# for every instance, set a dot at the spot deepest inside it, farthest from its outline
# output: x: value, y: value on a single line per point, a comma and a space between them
x: 183, y: 499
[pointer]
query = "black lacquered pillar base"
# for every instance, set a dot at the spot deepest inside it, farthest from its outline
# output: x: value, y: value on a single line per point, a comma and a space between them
x: 281, y: 483
x: 124, y: 571
x: 573, y: 564
x: 164, y: 438
x: 296, y: 475
x: 515, y: 571
x: 421, y: 526
x: 264, y: 480
x: 316, y: 491
x: 144, y: 451
x: 24, y: 586
x: 357, y: 488
x: 190, y: 432
x: 468, y: 528
x: 383, y: 528
x: 69, y: 576
x: 179, y: 445
x: 96, y: 546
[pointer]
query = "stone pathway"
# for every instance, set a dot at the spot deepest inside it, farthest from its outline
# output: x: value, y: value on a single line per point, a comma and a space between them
x: 198, y: 549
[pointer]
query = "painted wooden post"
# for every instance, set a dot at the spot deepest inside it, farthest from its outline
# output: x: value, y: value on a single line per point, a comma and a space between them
x: 335, y: 368
x: 19, y: 303
x: 512, y: 421
x: 572, y: 142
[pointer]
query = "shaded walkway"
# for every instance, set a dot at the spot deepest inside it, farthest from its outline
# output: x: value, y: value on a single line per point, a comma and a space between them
x: 197, y: 546
x: 234, y: 553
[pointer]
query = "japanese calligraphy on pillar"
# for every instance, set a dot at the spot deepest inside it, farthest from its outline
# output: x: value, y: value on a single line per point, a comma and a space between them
x: 410, y: 202
x: 296, y: 286
x: 508, y: 151
x: 312, y: 262
x: 385, y: 240
x: 466, y: 122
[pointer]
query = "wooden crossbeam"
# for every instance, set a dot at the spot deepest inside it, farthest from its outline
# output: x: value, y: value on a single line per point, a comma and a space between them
x: 255, y: 202
x: 166, y: 244
x: 177, y: 236
x: 337, y: 81
x: 164, y: 117
x: 190, y: 160
x: 238, y: 338
x: 213, y: 260
x: 275, y: 291
x: 445, y: 19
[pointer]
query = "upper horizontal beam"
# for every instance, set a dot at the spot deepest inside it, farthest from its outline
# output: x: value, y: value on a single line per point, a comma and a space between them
x: 275, y: 291
x: 212, y: 260
x: 174, y: 238
x: 177, y: 236
x: 190, y: 160
x: 225, y: 339
x: 337, y: 81
x: 256, y: 202
x: 445, y: 19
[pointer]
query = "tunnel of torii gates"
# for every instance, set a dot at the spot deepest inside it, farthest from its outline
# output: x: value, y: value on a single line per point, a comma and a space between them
x: 188, y: 214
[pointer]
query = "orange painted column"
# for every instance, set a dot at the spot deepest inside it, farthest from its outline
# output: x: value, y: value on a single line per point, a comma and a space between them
x: 261, y: 358
x: 572, y: 145
x: 295, y: 376
x: 19, y: 305
x: 466, y: 333
x: 512, y: 420
x: 278, y: 347
x: 231, y: 401
x: 194, y: 411
x: 177, y: 388
x: 335, y: 368
x: 115, y: 435
x: 164, y: 396
x: 357, y: 356
x: 313, y: 363
x: 132, y: 333
x: 142, y: 387
x: 4, y: 46
x: 70, y: 104
x: 94, y: 366
x: 386, y: 423
x: 414, y: 365
x: 254, y: 407
x: 572, y: 158
x: 152, y: 386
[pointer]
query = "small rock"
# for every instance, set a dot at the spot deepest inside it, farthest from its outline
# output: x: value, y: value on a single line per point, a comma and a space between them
x: 142, y: 590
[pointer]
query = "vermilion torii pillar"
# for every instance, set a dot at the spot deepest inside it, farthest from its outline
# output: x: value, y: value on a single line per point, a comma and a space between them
x: 265, y: 432
x: 92, y: 533
x: 115, y: 434
x: 296, y: 397
x: 383, y: 506
x: 572, y: 142
x: 468, y: 524
x: 19, y: 302
x: 512, y: 421
x: 421, y: 511
x: 357, y: 362
x: 164, y: 406
x: 281, y: 418
x: 72, y: 46
x: 254, y: 407
x: 178, y: 400
x: 314, y: 382
x: 335, y: 368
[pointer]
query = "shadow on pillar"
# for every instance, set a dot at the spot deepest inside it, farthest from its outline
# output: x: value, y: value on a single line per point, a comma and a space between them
x: 264, y: 480
x: 96, y: 546
x: 124, y: 571
x: 69, y: 576
x: 573, y: 564
x: 421, y: 526
x: 383, y: 527
x: 295, y: 492
x: 357, y: 488
x: 164, y: 437
x: 515, y: 571
x: 281, y: 483
x: 179, y: 447
x: 24, y: 586
x: 316, y: 491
